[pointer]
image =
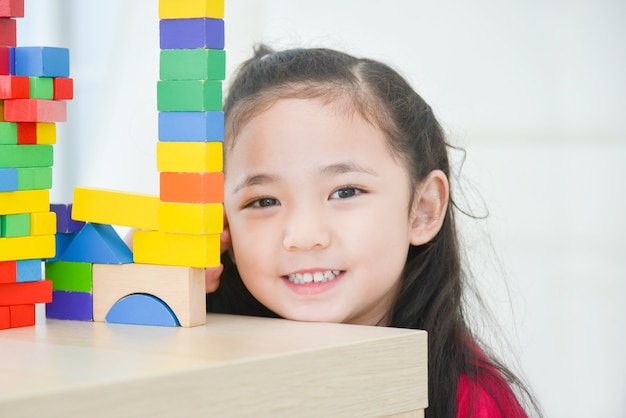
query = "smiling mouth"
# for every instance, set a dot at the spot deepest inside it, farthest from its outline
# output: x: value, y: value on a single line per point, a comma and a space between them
x: 316, y: 277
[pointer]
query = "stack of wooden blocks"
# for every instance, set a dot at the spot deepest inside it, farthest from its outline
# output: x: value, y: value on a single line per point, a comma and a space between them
x: 34, y: 87
x: 176, y: 236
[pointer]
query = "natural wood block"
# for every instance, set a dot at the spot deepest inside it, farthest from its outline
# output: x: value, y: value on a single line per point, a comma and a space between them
x: 26, y: 201
x: 190, y: 157
x: 163, y: 248
x: 181, y: 288
x: 205, y: 187
x: 116, y: 208
x: 191, y: 218
x: 181, y: 9
x: 25, y: 248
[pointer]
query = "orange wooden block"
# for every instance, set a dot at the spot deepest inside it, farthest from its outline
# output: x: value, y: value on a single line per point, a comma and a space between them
x: 207, y: 187
x: 5, y: 317
x: 14, y: 87
x: 25, y: 293
x: 35, y: 110
x: 22, y: 315
x: 63, y: 88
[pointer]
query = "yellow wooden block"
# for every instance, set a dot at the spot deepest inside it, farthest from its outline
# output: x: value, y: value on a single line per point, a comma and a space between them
x: 191, y: 218
x: 181, y: 288
x: 26, y: 248
x: 164, y: 248
x: 43, y: 223
x: 181, y: 9
x: 26, y: 201
x: 189, y: 157
x: 116, y: 208
x: 46, y: 133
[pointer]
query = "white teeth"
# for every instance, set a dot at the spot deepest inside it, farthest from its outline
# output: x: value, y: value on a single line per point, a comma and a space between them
x: 317, y: 277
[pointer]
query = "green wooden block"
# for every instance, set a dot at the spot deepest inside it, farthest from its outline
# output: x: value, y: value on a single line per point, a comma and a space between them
x: 34, y: 178
x: 71, y: 276
x: 189, y: 95
x: 193, y: 64
x: 17, y: 225
x: 41, y: 88
x: 8, y: 133
x: 16, y: 156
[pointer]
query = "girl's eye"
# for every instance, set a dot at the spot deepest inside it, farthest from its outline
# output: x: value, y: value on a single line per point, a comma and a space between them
x: 263, y: 202
x: 345, y: 192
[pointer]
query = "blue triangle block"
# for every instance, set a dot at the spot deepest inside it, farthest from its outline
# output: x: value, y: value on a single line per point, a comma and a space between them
x: 98, y: 243
x: 142, y: 309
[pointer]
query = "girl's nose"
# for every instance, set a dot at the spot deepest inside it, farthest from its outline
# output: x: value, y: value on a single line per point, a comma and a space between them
x: 306, y: 230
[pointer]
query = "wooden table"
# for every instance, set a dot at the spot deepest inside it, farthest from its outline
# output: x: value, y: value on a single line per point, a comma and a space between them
x: 233, y: 366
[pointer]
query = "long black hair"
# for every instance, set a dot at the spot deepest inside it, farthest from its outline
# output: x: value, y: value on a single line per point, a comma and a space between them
x: 433, y: 280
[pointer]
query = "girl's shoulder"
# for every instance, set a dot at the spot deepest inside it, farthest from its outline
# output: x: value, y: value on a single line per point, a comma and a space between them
x: 487, y: 395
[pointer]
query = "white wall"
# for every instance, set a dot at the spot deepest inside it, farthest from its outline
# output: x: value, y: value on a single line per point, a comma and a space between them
x: 535, y: 91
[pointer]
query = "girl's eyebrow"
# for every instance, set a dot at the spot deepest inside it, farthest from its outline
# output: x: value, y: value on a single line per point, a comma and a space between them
x: 345, y: 167
x: 256, y: 179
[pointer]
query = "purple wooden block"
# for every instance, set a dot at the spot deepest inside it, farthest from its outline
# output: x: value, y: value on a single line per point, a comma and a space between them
x: 70, y: 305
x: 191, y: 33
x: 65, y: 223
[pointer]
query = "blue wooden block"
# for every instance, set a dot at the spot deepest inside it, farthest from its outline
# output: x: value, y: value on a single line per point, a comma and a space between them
x: 65, y: 223
x: 191, y: 126
x: 42, y: 61
x: 98, y: 243
x: 191, y: 33
x: 70, y: 305
x: 28, y: 270
x: 8, y: 179
x: 142, y: 309
x: 62, y: 242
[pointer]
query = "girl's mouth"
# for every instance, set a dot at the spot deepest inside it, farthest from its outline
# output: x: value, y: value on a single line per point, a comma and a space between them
x: 313, y: 277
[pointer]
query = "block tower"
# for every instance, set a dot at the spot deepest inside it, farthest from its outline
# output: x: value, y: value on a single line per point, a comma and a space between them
x: 176, y: 233
x: 34, y: 87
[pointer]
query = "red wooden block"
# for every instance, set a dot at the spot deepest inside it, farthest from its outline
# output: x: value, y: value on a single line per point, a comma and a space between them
x: 63, y: 88
x: 5, y: 60
x: 14, y: 87
x: 27, y: 133
x: 5, y: 317
x: 8, y: 271
x: 25, y: 293
x: 22, y: 315
x: 11, y: 8
x: 35, y: 110
x: 8, y: 31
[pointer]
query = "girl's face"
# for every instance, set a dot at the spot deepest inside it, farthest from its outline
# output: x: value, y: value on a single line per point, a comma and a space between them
x: 318, y: 210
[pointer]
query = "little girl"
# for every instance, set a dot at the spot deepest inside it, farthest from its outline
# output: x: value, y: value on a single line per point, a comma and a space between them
x: 339, y: 210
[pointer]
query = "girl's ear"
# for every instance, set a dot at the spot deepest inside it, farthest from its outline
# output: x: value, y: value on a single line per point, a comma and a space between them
x: 429, y: 207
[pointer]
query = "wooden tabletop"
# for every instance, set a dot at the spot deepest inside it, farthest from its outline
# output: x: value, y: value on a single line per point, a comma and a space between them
x: 232, y: 366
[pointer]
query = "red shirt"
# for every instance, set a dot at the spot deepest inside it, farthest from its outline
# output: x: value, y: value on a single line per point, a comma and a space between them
x: 488, y: 396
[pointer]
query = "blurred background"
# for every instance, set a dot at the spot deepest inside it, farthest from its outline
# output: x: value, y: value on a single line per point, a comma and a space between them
x: 535, y: 92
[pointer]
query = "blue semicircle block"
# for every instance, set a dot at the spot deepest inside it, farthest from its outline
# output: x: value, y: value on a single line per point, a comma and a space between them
x: 142, y: 309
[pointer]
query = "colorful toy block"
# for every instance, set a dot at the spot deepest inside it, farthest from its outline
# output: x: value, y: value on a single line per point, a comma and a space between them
x: 98, y: 243
x: 181, y: 288
x: 24, y: 248
x: 46, y: 133
x: 26, y: 133
x: 7, y: 60
x: 26, y: 201
x: 189, y: 95
x: 180, y: 9
x: 8, y: 271
x: 14, y: 156
x: 5, y: 317
x: 12, y: 8
x: 8, y: 133
x: 22, y: 315
x: 42, y: 61
x: 164, y: 248
x: 43, y: 223
x: 28, y: 270
x: 191, y: 33
x: 34, y: 178
x: 14, y: 87
x: 41, y: 88
x: 205, y: 187
x: 141, y: 309
x: 25, y: 293
x: 76, y: 306
x: 62, y: 241
x: 191, y: 126
x: 8, y: 179
x: 16, y: 225
x: 116, y: 208
x: 191, y: 218
x: 8, y: 31
x: 63, y: 88
x: 65, y: 223
x: 190, y: 157
x: 193, y: 64
x: 35, y: 110
x: 70, y: 276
